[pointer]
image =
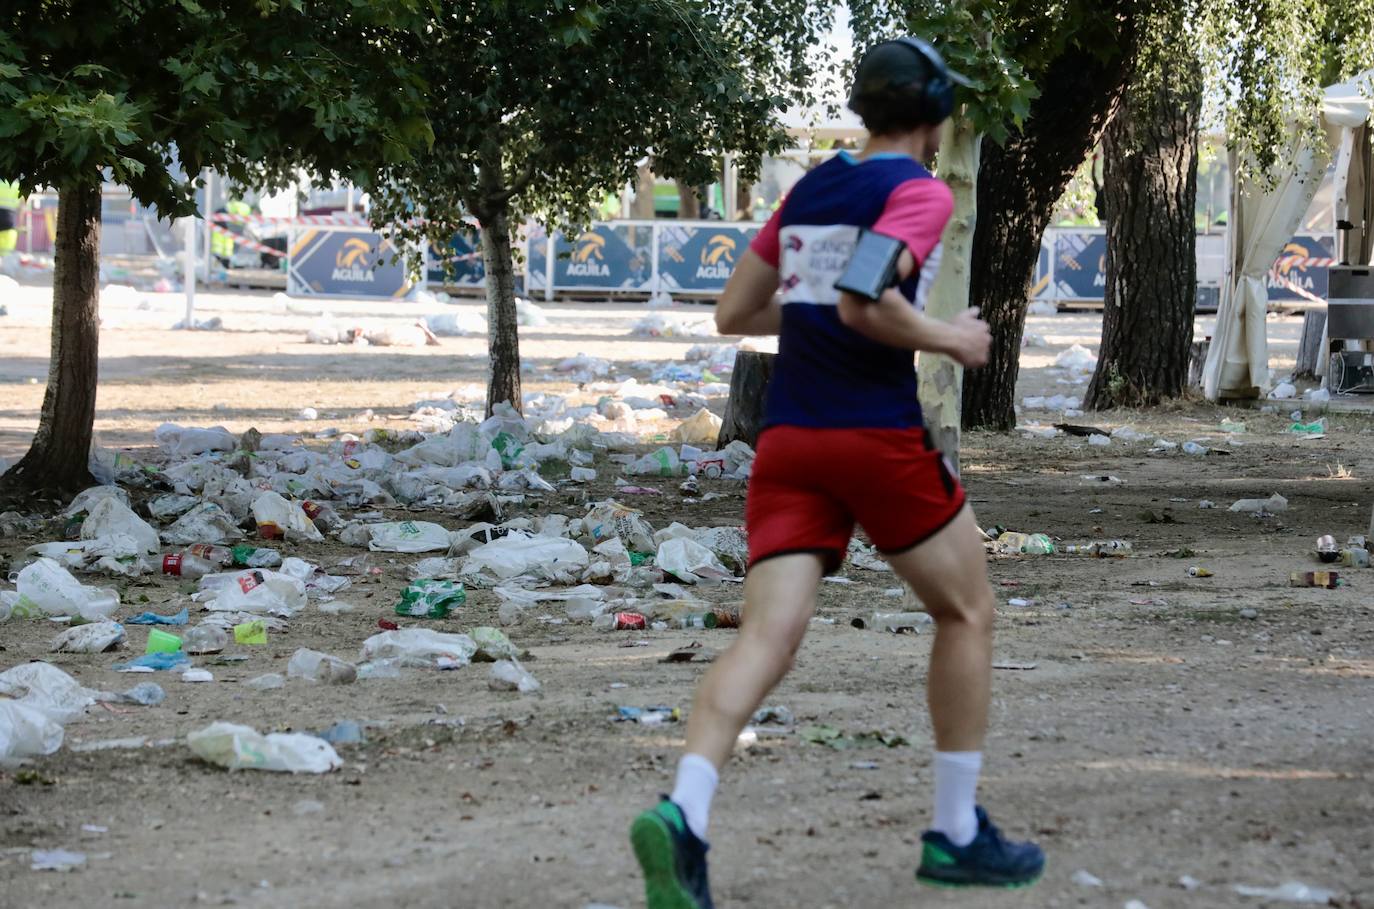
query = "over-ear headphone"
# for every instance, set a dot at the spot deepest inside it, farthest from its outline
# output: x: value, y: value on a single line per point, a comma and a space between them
x: 937, y: 102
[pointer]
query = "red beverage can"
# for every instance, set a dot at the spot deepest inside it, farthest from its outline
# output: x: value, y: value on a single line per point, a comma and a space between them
x: 171, y: 564
x: 630, y: 621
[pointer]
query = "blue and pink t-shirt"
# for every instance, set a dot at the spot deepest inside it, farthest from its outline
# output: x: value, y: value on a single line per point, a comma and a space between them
x: 828, y: 375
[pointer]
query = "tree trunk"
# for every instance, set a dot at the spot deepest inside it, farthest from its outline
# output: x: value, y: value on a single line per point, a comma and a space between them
x: 1150, y: 183
x: 1019, y: 184
x: 643, y: 206
x: 744, y: 201
x: 503, y: 338
x: 58, y: 461
x: 743, y: 418
x: 1311, y: 351
x: 688, y: 202
x: 940, y: 378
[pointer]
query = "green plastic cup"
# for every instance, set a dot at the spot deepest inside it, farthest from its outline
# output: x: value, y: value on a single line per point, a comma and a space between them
x: 160, y: 641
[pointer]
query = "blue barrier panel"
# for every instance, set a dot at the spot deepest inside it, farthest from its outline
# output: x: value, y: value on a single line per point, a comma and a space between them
x: 1080, y: 265
x: 460, y: 265
x: 700, y: 258
x: 1294, y: 278
x: 1042, y: 288
x: 344, y: 263
x: 605, y: 257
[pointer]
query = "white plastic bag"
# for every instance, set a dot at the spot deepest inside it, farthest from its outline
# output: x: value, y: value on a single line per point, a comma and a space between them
x: 255, y: 591
x: 509, y: 675
x: 420, y: 647
x: 183, y: 441
x: 111, y: 517
x: 661, y: 463
x: 408, y: 536
x: 271, y: 510
x: 46, y: 588
x: 87, y: 498
x: 314, y: 666
x: 236, y: 747
x: 26, y: 732
x: 689, y: 561
x: 48, y: 690
x: 1077, y: 359
x: 206, y: 522
x: 93, y: 637
x: 609, y: 519
x: 701, y: 428
x: 1275, y: 504
x: 547, y: 558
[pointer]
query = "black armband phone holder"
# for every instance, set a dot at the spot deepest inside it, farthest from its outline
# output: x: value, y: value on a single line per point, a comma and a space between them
x: 873, y: 267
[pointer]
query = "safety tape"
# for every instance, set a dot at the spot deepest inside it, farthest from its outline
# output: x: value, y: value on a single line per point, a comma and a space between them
x: 241, y: 240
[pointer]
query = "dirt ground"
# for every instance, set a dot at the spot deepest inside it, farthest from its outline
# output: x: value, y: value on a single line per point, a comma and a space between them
x: 1144, y: 730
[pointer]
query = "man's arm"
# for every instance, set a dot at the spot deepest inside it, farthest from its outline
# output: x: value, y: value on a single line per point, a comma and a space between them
x: 892, y: 320
x: 749, y: 305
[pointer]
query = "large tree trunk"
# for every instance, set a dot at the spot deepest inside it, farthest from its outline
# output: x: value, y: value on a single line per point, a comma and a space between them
x: 1150, y: 183
x: 503, y: 338
x: 688, y: 202
x: 744, y: 410
x: 941, y: 379
x: 58, y: 461
x: 643, y: 205
x: 1019, y: 184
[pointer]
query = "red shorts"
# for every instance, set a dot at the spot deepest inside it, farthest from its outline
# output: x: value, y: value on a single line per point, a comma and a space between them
x: 810, y: 486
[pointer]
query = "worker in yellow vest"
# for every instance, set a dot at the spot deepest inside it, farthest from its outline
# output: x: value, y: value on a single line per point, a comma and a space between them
x: 222, y: 244
x: 9, y: 217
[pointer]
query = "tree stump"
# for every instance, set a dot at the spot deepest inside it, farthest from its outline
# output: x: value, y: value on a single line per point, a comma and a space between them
x: 1310, y: 346
x: 748, y: 391
x: 1197, y: 361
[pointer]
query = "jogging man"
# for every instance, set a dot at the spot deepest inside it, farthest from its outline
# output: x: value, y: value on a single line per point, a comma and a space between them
x: 844, y: 443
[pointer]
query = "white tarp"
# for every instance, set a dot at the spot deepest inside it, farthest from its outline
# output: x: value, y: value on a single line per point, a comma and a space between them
x: 1264, y: 218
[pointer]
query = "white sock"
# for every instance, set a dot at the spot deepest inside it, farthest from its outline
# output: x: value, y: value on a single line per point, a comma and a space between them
x: 696, y: 784
x: 956, y: 789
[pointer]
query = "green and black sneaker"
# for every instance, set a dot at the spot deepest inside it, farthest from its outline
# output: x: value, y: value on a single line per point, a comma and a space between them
x: 988, y: 861
x: 673, y: 859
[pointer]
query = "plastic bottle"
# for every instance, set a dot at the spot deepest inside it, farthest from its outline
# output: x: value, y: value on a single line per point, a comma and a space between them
x: 620, y: 621
x: 242, y: 556
x: 324, y: 515
x: 320, y: 667
x: 722, y: 617
x: 1025, y: 543
x: 1101, y: 549
x: 185, y: 565
x: 897, y: 622
x: 205, y: 639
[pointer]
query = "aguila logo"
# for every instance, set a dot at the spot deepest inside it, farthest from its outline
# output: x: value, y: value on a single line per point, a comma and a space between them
x: 353, y: 261
x: 717, y: 257
x: 588, y: 259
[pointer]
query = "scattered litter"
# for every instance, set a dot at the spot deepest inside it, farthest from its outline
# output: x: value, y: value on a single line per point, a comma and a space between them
x: 236, y: 747
x: 1275, y: 504
x: 1085, y: 879
x: 509, y: 675
x: 1289, y: 892
x: 94, y: 637
x: 152, y: 618
x: 56, y: 860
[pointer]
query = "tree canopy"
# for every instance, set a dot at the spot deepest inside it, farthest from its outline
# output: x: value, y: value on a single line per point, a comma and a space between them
x: 150, y: 91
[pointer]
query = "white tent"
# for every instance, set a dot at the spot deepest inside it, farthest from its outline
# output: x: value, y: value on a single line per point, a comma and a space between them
x: 1264, y: 219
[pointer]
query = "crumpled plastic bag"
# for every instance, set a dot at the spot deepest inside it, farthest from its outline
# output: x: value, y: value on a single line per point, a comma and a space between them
x: 408, y: 536
x: 46, y: 588
x: 1275, y: 504
x: 206, y: 522
x: 26, y: 732
x: 420, y: 647
x: 1077, y: 359
x: 236, y: 747
x: 661, y: 463
x: 87, y: 498
x: 492, y: 645
x: 93, y: 637
x: 48, y: 690
x: 184, y: 441
x: 278, y: 517
x: 609, y: 519
x: 730, y: 544
x: 111, y: 517
x: 254, y: 591
x: 689, y: 561
x: 701, y: 428
x: 556, y: 559
x: 509, y: 675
